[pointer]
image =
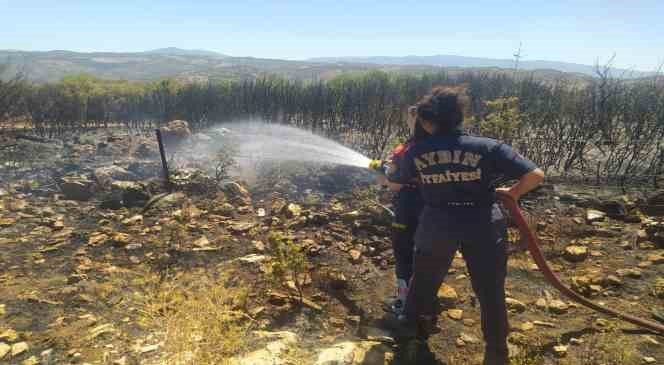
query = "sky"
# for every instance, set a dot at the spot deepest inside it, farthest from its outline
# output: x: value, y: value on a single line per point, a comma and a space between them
x: 580, y: 31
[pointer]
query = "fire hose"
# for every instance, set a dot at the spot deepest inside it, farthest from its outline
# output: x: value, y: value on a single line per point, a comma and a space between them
x: 533, y: 246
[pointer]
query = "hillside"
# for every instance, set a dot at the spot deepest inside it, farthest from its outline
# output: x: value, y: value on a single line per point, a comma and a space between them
x: 191, y: 65
x: 168, y: 62
x: 461, y: 61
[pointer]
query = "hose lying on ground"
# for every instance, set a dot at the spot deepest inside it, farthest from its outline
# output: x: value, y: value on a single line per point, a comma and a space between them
x: 533, y: 246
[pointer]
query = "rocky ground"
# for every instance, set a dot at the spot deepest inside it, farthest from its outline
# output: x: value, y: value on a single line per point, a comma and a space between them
x: 99, y: 264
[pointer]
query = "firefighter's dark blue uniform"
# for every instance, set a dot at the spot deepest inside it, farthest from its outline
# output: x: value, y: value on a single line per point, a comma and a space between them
x: 456, y: 175
x: 408, y: 205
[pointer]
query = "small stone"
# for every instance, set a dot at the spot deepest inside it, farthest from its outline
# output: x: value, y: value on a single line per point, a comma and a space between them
x: 560, y: 350
x: 630, y: 273
x: 455, y: 314
x: 656, y: 259
x: 447, y: 295
x: 651, y: 340
x: 259, y: 246
x: 228, y: 210
x: 595, y: 288
x: 32, y: 360
x: 202, y: 242
x: 252, y: 258
x: 558, y: 306
x: 601, y: 322
x: 574, y: 253
x: 540, y: 304
x: 148, y: 348
x: 527, y: 326
x: 647, y: 245
x: 515, y: 305
x: 133, y: 246
x: 7, y: 222
x: 337, y: 280
x: 4, y: 349
x: 242, y: 227
x: 137, y: 219
x: 122, y: 238
x: 97, y: 238
x: 576, y: 341
x: 544, y: 324
x: 120, y: 361
x: 293, y: 210
x: 355, y: 255
x: 468, y: 322
x: 649, y: 360
x: 351, y: 216
x: 19, y: 348
x: 278, y: 299
x: 593, y: 215
x: 578, y: 220
x: 658, y: 288
x: 77, y: 188
x: 337, y: 322
x: 3, y: 309
x: 613, y: 280
x: 9, y: 335
x: 467, y: 338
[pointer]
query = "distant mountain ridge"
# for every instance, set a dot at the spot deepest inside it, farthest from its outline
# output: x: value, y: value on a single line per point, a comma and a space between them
x: 174, y: 51
x: 462, y: 61
x: 203, y: 65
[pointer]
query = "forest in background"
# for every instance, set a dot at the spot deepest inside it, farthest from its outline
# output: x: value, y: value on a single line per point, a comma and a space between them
x: 606, y: 129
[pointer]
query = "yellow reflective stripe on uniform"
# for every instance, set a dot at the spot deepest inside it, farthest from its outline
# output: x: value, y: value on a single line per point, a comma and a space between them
x: 399, y: 226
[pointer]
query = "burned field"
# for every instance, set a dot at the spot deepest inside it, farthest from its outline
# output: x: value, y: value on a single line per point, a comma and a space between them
x: 286, y: 264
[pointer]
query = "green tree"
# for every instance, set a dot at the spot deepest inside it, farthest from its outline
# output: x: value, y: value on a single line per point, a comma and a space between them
x: 504, y: 119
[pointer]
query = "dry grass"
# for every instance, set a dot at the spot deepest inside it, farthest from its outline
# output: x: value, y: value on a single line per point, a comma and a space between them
x: 201, y: 323
x: 606, y: 348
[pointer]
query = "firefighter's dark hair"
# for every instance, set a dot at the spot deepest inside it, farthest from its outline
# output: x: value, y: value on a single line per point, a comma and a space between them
x: 444, y: 106
x: 419, y: 133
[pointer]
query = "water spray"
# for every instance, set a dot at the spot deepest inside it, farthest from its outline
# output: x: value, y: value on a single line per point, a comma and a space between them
x: 273, y: 142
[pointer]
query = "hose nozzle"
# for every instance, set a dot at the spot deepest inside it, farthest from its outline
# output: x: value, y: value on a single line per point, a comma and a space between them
x: 377, y: 166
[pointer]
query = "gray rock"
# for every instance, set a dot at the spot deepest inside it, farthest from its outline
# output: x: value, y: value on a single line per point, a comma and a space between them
x: 354, y: 353
x: 107, y: 174
x: 593, y: 215
x: 514, y: 305
x: 165, y: 200
x: 175, y: 132
x: 77, y: 188
x: 4, y: 349
x: 273, y: 353
x: 574, y: 253
x: 133, y: 194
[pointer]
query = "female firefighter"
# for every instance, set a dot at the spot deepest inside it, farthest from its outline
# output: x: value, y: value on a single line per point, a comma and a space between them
x: 456, y: 174
x: 408, y: 204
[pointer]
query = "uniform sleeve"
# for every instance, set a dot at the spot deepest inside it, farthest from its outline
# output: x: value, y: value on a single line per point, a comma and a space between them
x: 405, y: 169
x: 509, y: 163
